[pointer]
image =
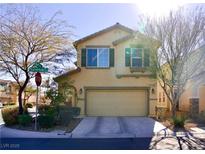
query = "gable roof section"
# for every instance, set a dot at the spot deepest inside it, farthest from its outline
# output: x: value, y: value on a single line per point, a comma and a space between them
x: 125, y: 38
x: 67, y: 73
x: 117, y: 25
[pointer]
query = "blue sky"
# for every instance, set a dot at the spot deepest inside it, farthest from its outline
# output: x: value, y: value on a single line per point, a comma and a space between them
x: 89, y: 18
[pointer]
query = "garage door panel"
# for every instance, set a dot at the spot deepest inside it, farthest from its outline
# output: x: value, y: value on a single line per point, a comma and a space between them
x: 116, y: 103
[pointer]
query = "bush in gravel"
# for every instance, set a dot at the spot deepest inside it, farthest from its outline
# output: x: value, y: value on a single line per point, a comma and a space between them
x: 43, y: 107
x: 68, y: 113
x: 75, y: 111
x: 46, y: 121
x: 10, y: 116
x: 179, y: 121
x: 48, y: 116
x: 24, y: 120
x: 65, y: 117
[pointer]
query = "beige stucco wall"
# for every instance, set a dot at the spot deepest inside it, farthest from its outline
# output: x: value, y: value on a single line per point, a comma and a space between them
x: 163, y: 103
x: 202, y: 98
x: 193, y: 90
x: 108, y: 77
x: 184, y: 104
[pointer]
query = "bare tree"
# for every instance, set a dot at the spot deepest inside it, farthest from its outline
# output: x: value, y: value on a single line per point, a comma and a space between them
x: 177, y: 36
x: 28, y: 92
x: 25, y: 38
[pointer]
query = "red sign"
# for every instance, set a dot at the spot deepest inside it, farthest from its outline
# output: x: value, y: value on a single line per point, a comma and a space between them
x: 38, y: 78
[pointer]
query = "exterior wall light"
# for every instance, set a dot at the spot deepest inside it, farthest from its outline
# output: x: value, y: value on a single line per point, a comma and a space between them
x: 80, y: 91
x: 153, y: 91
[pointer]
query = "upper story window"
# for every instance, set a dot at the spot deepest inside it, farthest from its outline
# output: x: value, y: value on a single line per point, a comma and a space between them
x: 97, y: 57
x: 136, y: 57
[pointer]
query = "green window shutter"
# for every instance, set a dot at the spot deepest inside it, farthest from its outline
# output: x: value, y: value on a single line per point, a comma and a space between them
x: 127, y: 56
x: 83, y: 57
x: 112, y: 57
x: 146, y: 58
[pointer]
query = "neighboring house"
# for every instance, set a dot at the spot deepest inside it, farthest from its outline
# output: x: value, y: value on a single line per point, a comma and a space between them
x: 29, y: 95
x: 111, y: 78
x: 193, y: 97
x: 8, y: 92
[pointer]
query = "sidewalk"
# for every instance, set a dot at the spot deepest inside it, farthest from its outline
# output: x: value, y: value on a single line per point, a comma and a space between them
x: 6, y: 132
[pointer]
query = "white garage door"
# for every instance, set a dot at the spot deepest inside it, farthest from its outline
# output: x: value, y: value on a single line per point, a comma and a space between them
x: 117, y: 103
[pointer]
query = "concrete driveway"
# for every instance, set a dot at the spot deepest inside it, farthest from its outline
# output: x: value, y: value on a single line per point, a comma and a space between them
x: 117, y: 127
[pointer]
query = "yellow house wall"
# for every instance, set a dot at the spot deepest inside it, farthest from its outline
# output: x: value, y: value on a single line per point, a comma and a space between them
x: 107, y: 77
x: 184, y: 104
x: 184, y: 101
x: 163, y: 103
x: 190, y: 92
x: 202, y: 98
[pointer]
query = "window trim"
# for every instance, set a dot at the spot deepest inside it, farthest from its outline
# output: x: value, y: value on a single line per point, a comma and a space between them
x: 98, y: 58
x: 137, y: 58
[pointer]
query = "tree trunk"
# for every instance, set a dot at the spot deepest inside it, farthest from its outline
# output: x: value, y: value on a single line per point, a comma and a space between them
x: 21, y: 89
x: 20, y: 101
x: 173, y: 110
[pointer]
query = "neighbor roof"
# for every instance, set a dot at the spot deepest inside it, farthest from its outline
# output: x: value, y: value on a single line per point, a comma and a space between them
x: 117, y: 25
x: 7, y: 81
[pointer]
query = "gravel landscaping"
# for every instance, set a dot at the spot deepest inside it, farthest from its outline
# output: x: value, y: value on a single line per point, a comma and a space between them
x: 73, y: 123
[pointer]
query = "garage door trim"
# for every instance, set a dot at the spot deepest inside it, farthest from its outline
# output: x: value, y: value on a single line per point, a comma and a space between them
x: 86, y: 89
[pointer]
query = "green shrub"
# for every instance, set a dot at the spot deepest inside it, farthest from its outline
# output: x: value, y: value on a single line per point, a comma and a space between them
x: 29, y: 105
x: 179, y: 121
x: 50, y: 111
x: 67, y: 113
x: 24, y: 119
x: 10, y: 116
x: 65, y: 117
x: 75, y: 111
x: 48, y: 116
x: 46, y: 121
x: 43, y: 107
x: 56, y: 97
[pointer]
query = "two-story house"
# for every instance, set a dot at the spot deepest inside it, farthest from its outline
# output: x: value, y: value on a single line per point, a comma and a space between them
x: 111, y: 77
x: 8, y: 92
x: 193, y: 98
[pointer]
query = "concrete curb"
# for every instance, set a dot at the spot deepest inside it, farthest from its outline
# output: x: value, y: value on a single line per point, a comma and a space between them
x: 91, y: 136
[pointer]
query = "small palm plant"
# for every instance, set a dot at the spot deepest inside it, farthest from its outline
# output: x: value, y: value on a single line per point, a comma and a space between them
x: 179, y: 121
